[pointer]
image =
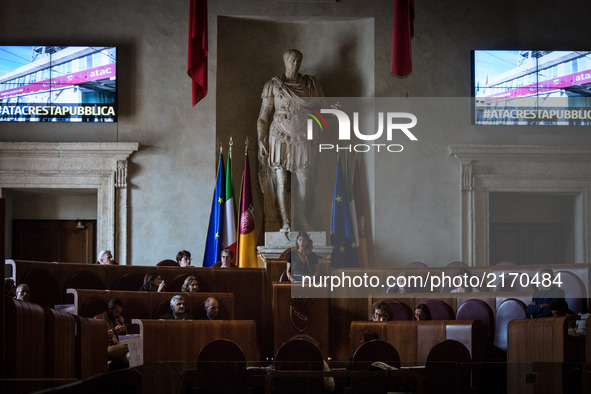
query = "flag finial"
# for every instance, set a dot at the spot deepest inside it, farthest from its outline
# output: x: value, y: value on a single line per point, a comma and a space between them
x: 230, y: 148
x: 246, y: 146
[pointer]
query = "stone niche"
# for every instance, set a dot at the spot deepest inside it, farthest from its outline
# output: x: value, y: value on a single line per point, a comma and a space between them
x: 250, y: 52
x: 485, y: 169
x: 100, y: 166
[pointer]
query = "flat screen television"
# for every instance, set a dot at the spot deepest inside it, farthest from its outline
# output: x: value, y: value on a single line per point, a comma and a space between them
x: 531, y: 87
x: 58, y: 84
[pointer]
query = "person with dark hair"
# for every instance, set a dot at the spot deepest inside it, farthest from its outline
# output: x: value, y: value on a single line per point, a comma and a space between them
x: 23, y: 292
x: 302, y: 262
x: 117, y: 353
x: 368, y: 335
x: 177, y: 304
x: 559, y: 307
x: 380, y: 311
x: 226, y: 260
x: 152, y: 282
x: 9, y: 288
x: 184, y: 258
x: 543, y: 297
x: 190, y: 285
x: 422, y: 312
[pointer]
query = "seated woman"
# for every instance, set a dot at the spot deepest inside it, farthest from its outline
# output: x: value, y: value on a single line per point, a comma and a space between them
x: 152, y: 282
x: 422, y: 312
x: 303, y: 262
x: 380, y: 311
x: 190, y: 285
x: 183, y: 258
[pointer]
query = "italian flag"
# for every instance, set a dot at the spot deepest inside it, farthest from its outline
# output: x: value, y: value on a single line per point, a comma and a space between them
x: 229, y: 232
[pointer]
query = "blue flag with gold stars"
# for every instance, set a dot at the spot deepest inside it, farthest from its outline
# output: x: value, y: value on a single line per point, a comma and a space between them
x: 344, y: 248
x: 213, y: 244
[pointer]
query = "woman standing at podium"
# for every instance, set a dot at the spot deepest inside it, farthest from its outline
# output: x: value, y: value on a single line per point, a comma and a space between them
x: 301, y: 261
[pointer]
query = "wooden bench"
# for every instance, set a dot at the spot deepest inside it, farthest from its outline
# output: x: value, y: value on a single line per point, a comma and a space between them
x: 49, y: 344
x: 49, y: 282
x: 148, y: 305
x: 540, y: 350
x: 414, y: 339
x: 182, y: 340
x: 91, y: 344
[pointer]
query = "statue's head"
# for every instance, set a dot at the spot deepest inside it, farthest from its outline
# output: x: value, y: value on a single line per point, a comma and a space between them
x: 292, y: 59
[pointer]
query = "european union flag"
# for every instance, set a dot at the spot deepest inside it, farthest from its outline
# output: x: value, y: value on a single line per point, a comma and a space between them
x: 344, y: 247
x: 213, y: 244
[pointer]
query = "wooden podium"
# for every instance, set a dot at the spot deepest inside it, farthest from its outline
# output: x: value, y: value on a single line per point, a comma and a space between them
x: 292, y: 316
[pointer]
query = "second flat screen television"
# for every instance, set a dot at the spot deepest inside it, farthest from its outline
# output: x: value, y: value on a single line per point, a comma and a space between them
x: 531, y: 87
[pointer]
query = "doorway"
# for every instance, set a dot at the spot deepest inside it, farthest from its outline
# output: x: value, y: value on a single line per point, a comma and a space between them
x: 72, y: 241
x: 531, y: 228
x: 52, y: 224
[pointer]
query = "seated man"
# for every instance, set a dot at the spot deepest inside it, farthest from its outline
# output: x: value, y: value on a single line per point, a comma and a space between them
x: 118, y: 354
x: 105, y: 257
x: 212, y: 308
x: 23, y: 292
x: 543, y: 297
x: 226, y: 260
x: 177, y: 304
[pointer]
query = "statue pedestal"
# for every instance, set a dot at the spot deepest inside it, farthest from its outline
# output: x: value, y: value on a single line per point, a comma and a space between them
x: 276, y: 243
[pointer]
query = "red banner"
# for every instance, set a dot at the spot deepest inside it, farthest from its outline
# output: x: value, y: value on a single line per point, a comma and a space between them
x: 197, y: 59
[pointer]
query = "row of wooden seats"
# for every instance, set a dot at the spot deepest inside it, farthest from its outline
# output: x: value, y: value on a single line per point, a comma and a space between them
x: 252, y: 289
x: 294, y: 315
x: 49, y: 282
x: 148, y: 305
x: 46, y: 345
x: 494, y: 314
x: 299, y: 367
x: 53, y: 278
x: 414, y: 339
x: 182, y: 340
